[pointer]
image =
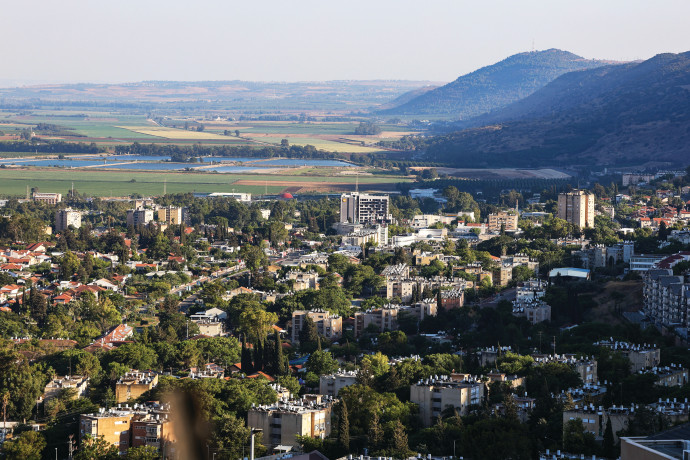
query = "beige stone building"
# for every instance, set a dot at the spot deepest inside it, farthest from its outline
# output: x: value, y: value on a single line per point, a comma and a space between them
x: 134, y: 384
x: 49, y: 198
x: 78, y: 383
x: 436, y: 394
x: 329, y: 326
x: 283, y: 421
x: 170, y: 215
x: 330, y: 385
x: 640, y: 356
x: 506, y: 220
x: 577, y: 207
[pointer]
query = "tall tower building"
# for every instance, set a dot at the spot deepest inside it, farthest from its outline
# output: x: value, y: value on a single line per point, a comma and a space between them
x: 66, y: 217
x: 361, y: 208
x: 577, y: 207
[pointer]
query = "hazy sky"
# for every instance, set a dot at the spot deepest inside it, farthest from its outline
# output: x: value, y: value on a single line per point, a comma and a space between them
x: 288, y: 40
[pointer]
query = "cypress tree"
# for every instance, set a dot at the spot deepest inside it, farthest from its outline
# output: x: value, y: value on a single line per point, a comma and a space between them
x: 609, y: 448
x: 246, y: 357
x: 344, y: 427
x: 258, y: 356
x: 278, y: 355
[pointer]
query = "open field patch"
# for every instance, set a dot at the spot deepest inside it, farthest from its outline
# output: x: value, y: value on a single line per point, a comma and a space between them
x: 172, y: 133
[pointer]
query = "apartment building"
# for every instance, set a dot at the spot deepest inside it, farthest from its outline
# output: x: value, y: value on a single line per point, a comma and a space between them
x: 641, y: 356
x: 139, y: 216
x: 666, y: 298
x: 503, y: 220
x: 78, y: 383
x: 48, y: 198
x: 383, y: 319
x: 283, y: 421
x: 66, y: 217
x: 433, y: 395
x: 535, y: 310
x: 363, y: 208
x: 669, y: 376
x: 377, y: 235
x: 330, y: 385
x: 329, y: 326
x: 452, y: 298
x: 170, y: 215
x: 139, y: 425
x: 594, y: 418
x: 134, y: 384
x: 586, y: 367
x: 577, y: 207
x: 303, y: 280
x: 530, y: 290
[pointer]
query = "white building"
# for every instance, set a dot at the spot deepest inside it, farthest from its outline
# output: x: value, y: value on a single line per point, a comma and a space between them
x: 66, y: 217
x: 364, y: 208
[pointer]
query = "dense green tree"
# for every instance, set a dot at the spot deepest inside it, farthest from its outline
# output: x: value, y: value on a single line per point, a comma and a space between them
x: 27, y: 446
x: 321, y: 363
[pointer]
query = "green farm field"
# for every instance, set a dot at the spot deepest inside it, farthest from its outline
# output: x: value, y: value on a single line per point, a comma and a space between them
x: 13, y: 182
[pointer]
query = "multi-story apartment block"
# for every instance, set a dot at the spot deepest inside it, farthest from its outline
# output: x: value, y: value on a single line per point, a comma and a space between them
x: 586, y: 367
x: 383, y: 319
x: 303, y: 280
x: 594, y: 418
x: 433, y: 395
x: 125, y: 427
x: 78, y: 383
x: 134, y: 384
x: 503, y: 274
x: 358, y: 207
x: 66, y: 217
x: 669, y: 376
x: 534, y: 310
x: 113, y: 426
x: 283, y: 421
x: 452, y: 298
x: 395, y: 271
x: 530, y: 290
x: 170, y: 215
x: 503, y: 220
x: 377, y: 235
x: 666, y: 298
x: 329, y: 326
x: 330, y: 385
x: 577, y: 207
x: 49, y: 198
x: 641, y: 357
x: 139, y: 216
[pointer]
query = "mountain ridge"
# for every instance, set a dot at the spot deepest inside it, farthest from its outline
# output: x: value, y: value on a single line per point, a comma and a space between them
x: 495, y: 86
x: 612, y: 115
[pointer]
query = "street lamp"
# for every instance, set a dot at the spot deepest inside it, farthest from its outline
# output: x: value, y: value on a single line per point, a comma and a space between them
x: 254, y: 431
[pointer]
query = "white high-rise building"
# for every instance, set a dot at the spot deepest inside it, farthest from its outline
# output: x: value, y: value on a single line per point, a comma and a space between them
x: 66, y: 217
x: 363, y: 208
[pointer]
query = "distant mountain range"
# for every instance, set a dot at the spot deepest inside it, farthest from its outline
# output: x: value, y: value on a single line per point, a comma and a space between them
x: 491, y: 87
x: 629, y: 114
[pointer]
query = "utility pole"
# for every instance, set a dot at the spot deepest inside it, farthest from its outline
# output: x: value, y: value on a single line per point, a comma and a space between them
x: 254, y: 431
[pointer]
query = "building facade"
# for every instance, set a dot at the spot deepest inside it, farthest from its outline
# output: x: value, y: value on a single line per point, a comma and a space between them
x: 283, y: 421
x: 503, y: 220
x: 139, y: 216
x: 577, y: 207
x: 437, y: 394
x: 363, y: 208
x: 66, y: 217
x: 134, y: 384
x: 329, y: 326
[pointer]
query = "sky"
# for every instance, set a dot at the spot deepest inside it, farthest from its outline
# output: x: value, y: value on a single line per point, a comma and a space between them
x: 315, y: 40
